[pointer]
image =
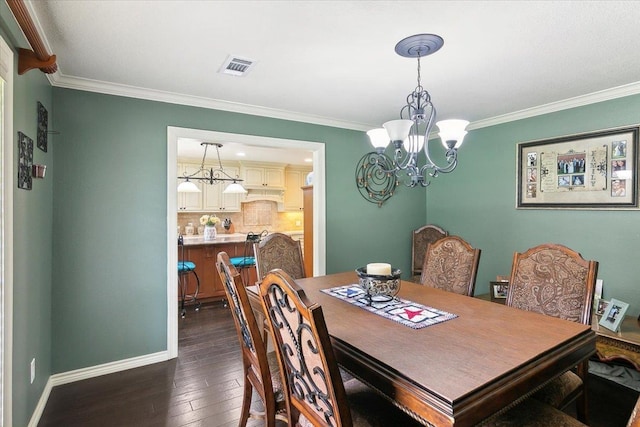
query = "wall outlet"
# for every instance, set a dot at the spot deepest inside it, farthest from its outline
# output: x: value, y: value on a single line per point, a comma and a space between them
x: 298, y: 223
x: 33, y: 370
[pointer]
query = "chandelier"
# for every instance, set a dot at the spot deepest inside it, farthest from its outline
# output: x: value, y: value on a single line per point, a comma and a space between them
x: 210, y: 175
x: 377, y: 174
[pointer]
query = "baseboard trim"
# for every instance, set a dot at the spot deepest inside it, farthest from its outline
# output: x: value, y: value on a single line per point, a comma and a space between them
x: 91, y: 372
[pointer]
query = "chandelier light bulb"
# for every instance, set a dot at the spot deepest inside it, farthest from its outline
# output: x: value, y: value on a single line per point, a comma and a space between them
x: 411, y: 148
x: 379, y: 138
x: 188, y: 187
x: 398, y: 130
x: 234, y: 188
x: 452, y: 132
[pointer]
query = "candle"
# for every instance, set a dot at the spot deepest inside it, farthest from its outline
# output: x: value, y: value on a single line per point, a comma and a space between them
x: 379, y: 269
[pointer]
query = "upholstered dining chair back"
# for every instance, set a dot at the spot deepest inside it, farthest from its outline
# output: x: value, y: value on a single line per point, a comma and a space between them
x: 260, y: 369
x: 278, y: 250
x: 554, y: 280
x: 451, y: 264
x: 314, y: 390
x: 420, y: 239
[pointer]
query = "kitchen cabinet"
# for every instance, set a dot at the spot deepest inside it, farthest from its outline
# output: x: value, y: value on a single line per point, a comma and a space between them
x: 294, y: 179
x: 204, y: 257
x: 189, y: 202
x: 214, y: 198
x: 265, y: 175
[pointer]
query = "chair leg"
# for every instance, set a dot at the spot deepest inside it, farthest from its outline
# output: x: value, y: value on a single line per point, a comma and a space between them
x: 246, y: 399
x: 581, y: 403
x: 197, y: 291
x: 182, y: 286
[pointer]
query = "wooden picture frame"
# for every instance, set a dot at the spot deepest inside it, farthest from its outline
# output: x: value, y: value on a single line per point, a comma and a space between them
x: 498, y: 290
x: 594, y: 170
x: 614, y: 314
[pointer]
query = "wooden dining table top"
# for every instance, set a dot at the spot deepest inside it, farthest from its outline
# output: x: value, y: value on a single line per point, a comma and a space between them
x: 457, y: 372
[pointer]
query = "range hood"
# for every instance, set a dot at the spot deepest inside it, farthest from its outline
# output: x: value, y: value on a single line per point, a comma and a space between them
x: 254, y: 195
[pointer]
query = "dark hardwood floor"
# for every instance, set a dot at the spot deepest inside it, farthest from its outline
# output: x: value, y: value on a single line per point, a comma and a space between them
x: 203, y: 386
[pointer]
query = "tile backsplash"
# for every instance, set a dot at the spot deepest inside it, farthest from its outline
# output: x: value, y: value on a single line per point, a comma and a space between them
x: 255, y: 217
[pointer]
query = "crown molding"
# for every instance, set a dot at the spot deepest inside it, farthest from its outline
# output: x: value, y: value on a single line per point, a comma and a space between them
x: 59, y: 80
x: 578, y: 101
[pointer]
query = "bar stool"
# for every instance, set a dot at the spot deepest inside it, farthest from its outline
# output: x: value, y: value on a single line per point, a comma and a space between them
x: 184, y: 268
x: 242, y: 263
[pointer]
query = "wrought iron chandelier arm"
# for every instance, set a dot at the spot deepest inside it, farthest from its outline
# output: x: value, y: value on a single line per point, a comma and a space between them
x: 210, y: 175
x: 452, y: 161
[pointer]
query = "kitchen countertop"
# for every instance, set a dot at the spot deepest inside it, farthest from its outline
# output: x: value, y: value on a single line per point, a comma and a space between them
x: 221, y: 238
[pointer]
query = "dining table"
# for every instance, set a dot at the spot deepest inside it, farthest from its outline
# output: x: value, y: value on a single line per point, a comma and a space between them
x: 484, y: 359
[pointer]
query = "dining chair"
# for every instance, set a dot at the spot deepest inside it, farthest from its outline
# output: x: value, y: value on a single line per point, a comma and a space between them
x: 451, y: 264
x: 533, y: 413
x: 420, y: 239
x: 260, y: 369
x: 278, y: 250
x: 555, y: 280
x: 315, y: 393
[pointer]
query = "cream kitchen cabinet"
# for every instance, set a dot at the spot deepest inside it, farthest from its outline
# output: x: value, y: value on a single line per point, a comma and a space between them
x: 295, y: 178
x: 189, y: 202
x: 214, y: 198
x: 262, y: 176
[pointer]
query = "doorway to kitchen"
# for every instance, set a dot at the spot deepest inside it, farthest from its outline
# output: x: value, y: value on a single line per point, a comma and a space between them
x: 6, y: 232
x: 319, y: 230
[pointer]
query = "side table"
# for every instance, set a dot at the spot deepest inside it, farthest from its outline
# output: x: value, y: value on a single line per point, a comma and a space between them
x: 624, y: 344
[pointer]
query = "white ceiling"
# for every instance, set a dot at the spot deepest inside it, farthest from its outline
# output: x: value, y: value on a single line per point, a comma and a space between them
x: 333, y: 62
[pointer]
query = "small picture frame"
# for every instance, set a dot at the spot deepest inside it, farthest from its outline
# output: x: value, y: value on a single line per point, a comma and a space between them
x: 499, y: 290
x: 43, y: 127
x: 25, y: 161
x: 614, y: 314
x: 600, y: 306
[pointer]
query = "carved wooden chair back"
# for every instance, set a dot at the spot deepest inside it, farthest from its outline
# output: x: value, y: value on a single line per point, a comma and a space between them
x: 555, y: 280
x: 420, y: 239
x: 260, y: 369
x: 314, y: 390
x: 451, y: 264
x: 278, y: 250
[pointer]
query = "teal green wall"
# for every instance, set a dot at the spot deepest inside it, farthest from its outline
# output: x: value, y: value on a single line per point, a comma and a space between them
x: 32, y: 235
x: 109, y: 278
x: 478, y: 203
x: 100, y: 214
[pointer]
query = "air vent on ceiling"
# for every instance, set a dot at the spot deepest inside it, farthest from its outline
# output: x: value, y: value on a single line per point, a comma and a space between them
x: 236, y: 66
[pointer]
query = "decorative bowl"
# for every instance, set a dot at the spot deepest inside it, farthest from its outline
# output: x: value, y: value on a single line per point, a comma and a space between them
x: 380, y: 287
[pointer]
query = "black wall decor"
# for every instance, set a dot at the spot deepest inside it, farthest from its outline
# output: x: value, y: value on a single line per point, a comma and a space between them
x: 43, y: 124
x: 25, y: 161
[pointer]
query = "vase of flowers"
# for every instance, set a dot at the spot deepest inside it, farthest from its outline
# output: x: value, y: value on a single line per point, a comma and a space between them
x: 209, y: 222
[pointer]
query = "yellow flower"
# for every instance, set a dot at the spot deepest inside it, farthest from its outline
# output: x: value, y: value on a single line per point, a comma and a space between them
x: 210, y: 220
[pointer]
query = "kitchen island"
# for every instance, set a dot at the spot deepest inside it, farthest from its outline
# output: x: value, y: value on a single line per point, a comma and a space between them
x: 204, y: 254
